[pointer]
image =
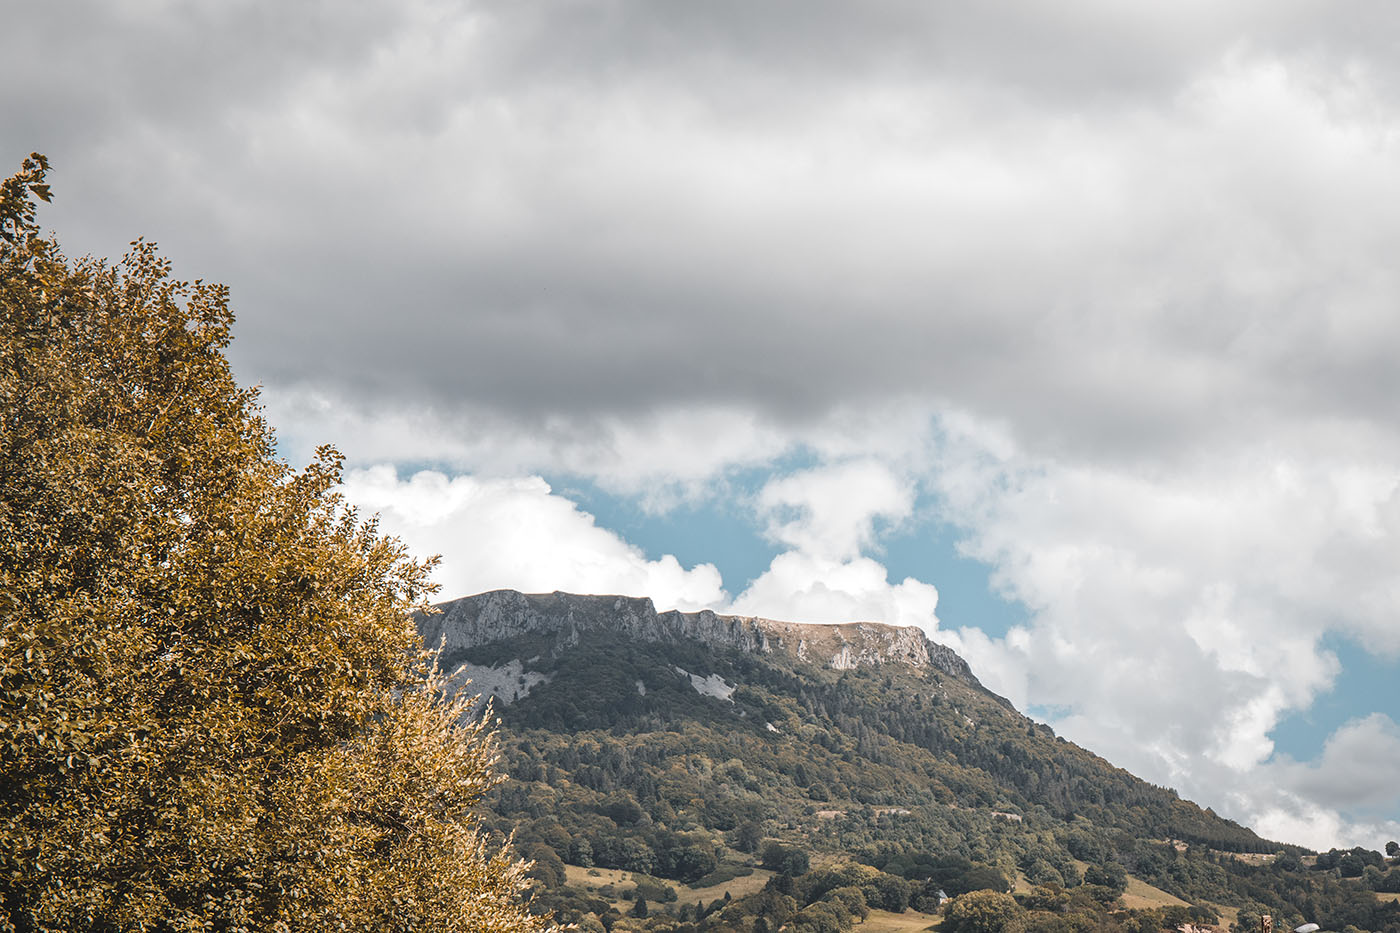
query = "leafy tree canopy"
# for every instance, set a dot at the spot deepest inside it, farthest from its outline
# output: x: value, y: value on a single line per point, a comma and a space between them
x: 984, y: 912
x: 214, y: 712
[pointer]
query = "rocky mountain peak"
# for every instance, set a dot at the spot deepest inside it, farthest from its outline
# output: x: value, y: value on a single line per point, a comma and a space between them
x: 501, y: 614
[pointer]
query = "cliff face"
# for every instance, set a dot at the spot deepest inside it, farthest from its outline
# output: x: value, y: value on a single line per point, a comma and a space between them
x: 502, y: 614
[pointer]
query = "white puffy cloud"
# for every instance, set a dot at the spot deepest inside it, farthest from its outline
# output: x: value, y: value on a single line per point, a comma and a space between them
x: 1354, y: 775
x: 833, y: 511
x: 517, y: 534
x: 1002, y: 664
x: 805, y: 587
x: 825, y: 517
x: 1357, y: 769
x: 1178, y: 608
x: 1304, y: 822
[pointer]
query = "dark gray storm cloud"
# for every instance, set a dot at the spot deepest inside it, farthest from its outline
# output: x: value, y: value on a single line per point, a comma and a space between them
x: 1114, y: 227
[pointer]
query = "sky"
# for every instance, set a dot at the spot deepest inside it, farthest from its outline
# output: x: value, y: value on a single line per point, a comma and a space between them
x: 1067, y: 332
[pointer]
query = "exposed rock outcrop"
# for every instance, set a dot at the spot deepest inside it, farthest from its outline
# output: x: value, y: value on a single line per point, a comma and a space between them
x: 501, y: 614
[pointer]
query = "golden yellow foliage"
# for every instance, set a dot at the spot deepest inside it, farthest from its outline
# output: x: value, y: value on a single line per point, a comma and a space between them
x: 214, y: 710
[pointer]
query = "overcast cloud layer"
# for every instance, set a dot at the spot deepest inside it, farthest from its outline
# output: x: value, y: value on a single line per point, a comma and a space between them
x: 1113, y: 284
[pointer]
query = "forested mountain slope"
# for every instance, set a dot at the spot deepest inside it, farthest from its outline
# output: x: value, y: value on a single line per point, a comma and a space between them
x: 684, y: 744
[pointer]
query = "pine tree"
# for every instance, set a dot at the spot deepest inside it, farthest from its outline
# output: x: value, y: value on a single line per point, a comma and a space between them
x: 214, y: 712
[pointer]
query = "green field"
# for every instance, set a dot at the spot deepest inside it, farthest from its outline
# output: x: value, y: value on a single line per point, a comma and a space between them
x: 911, y: 921
x: 591, y: 879
x: 1142, y: 895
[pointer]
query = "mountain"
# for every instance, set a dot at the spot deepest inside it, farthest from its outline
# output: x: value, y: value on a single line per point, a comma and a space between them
x: 689, y: 747
x: 502, y: 615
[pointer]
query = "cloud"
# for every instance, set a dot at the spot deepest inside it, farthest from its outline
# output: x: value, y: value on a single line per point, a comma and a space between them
x: 826, y: 517
x: 802, y: 587
x: 1347, y: 797
x: 517, y: 534
x: 1177, y: 609
x: 1357, y: 768
x: 1122, y: 234
x: 663, y: 457
x: 833, y: 511
x: 1114, y: 287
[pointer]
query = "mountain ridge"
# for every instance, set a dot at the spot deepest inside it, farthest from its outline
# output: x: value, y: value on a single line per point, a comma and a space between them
x: 500, y: 614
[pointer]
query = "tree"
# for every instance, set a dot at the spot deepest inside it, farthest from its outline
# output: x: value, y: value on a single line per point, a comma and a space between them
x: 1392, y: 849
x: 979, y: 877
x: 1041, y: 871
x: 746, y: 836
x: 1350, y: 865
x: 581, y: 852
x: 1109, y: 875
x: 214, y: 711
x: 851, y: 899
x: 983, y: 912
x: 784, y: 859
x: 888, y: 892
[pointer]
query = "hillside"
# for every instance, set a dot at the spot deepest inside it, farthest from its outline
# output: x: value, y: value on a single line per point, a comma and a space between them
x: 694, y: 746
